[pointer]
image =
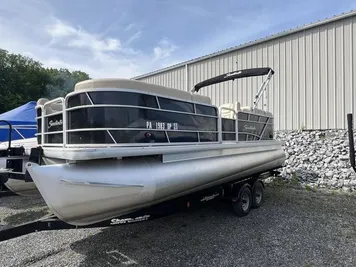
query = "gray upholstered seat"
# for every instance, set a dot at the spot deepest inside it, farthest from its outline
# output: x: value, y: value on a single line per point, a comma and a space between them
x: 253, y: 110
x: 228, y: 114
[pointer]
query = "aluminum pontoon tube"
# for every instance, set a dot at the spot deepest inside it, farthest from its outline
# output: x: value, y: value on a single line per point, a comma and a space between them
x: 91, y: 191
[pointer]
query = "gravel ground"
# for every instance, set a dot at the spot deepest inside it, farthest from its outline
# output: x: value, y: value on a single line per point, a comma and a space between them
x: 18, y: 209
x: 294, y: 227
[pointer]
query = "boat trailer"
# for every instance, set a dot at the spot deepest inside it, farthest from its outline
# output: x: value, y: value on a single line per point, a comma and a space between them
x: 14, y: 158
x: 4, y: 191
x: 244, y: 195
x: 237, y: 192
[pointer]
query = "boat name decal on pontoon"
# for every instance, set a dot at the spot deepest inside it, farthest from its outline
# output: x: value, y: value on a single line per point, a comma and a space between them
x: 162, y: 125
x: 207, y: 198
x: 250, y: 127
x: 130, y: 220
x: 55, y: 123
x: 232, y: 74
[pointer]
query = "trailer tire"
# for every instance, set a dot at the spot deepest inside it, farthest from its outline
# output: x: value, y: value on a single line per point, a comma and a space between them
x: 242, y: 205
x: 257, y: 195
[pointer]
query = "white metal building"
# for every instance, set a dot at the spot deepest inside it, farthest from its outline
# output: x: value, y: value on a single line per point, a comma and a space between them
x: 314, y: 82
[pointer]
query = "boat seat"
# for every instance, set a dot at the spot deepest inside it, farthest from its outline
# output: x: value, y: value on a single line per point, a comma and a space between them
x: 53, y: 108
x: 270, y: 114
x: 228, y: 114
x: 105, y: 83
x: 42, y: 101
x: 253, y: 110
x: 201, y: 99
x: 257, y: 111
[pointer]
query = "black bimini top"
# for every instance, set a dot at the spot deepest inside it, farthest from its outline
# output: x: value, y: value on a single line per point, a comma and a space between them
x: 232, y: 76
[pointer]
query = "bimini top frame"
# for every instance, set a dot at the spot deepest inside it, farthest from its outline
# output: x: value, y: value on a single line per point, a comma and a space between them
x: 244, y: 73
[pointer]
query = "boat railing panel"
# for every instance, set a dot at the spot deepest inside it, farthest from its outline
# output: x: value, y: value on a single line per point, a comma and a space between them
x: 40, y: 125
x: 105, y: 119
x: 221, y: 124
x: 53, y: 127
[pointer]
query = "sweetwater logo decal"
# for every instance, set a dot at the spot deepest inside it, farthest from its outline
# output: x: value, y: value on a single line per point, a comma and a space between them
x: 54, y: 123
x: 232, y: 74
x: 207, y: 198
x: 129, y: 220
x: 251, y: 128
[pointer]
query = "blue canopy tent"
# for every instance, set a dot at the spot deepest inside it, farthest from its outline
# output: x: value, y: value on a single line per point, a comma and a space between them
x: 22, y: 120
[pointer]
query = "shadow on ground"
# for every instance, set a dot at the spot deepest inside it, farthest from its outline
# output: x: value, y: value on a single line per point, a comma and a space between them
x: 24, y: 217
x: 22, y: 202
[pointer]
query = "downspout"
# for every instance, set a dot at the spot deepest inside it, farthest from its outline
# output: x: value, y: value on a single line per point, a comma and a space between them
x: 186, y: 78
x: 351, y: 140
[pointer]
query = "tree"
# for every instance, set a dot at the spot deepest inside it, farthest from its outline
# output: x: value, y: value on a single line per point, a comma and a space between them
x: 63, y: 81
x: 23, y: 79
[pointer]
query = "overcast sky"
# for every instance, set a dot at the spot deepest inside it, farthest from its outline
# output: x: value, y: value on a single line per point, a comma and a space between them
x: 123, y: 38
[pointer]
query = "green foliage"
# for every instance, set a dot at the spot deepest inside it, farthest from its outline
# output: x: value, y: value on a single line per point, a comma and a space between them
x: 309, y: 188
x: 23, y: 79
x: 63, y: 81
x: 294, y: 180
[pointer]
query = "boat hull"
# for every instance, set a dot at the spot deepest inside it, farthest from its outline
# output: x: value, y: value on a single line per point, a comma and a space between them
x: 93, y: 191
x: 20, y: 187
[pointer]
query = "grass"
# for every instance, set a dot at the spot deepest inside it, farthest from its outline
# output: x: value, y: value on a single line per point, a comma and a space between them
x: 310, y: 188
x: 294, y: 180
x: 279, y: 181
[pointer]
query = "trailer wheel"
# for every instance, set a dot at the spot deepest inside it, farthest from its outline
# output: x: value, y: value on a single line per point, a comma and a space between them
x: 257, y: 195
x: 242, y: 205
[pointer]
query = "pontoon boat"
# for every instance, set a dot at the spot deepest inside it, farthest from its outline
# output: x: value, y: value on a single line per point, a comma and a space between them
x: 115, y: 146
x: 13, y: 158
x: 18, y: 128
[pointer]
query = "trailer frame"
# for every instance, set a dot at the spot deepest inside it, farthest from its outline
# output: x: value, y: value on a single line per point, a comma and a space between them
x: 229, y: 191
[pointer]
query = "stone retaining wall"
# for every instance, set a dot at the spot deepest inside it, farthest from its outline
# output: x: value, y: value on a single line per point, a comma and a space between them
x: 318, y: 158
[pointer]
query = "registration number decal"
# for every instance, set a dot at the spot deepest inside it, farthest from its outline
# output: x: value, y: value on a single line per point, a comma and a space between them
x: 162, y: 125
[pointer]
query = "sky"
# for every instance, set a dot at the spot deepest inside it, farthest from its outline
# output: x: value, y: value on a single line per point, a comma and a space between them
x: 126, y: 38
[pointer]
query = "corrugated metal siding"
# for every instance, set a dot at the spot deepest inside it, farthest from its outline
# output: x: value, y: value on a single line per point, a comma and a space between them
x: 174, y: 78
x: 313, y: 83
